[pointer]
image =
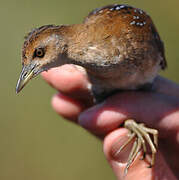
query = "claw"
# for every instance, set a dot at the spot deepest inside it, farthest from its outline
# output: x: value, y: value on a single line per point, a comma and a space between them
x: 141, y: 133
x: 135, y: 150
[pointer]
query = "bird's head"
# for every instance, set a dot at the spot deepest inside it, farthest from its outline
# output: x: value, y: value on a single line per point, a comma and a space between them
x: 41, y: 50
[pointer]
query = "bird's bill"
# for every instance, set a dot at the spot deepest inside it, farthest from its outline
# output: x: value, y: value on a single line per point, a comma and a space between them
x: 26, y: 74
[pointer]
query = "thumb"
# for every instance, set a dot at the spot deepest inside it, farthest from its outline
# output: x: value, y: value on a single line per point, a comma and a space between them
x: 139, y: 169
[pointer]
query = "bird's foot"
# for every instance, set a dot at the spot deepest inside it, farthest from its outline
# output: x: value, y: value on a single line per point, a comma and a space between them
x: 141, y: 134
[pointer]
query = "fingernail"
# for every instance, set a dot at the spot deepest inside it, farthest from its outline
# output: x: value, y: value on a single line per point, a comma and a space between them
x: 118, y: 154
x: 80, y: 69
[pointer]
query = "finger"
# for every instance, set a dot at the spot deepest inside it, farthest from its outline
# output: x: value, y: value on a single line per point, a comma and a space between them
x: 66, y: 106
x: 139, y: 169
x: 155, y: 110
x: 71, y: 80
x: 66, y: 78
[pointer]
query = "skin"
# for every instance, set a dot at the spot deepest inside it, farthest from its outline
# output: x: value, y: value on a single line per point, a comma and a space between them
x: 103, y: 120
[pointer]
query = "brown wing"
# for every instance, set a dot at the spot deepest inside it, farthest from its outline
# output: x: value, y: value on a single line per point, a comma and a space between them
x: 115, y: 18
x: 111, y: 7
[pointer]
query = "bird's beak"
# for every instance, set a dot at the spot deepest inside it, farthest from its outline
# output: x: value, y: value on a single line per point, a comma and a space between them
x: 26, y: 74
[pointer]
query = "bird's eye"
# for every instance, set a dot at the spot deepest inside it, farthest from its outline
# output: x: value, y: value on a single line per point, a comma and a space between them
x: 39, y: 52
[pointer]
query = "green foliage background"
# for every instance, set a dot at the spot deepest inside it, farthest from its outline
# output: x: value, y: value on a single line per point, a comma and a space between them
x: 35, y: 143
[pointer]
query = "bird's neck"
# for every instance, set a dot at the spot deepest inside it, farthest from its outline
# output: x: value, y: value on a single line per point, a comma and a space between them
x: 78, y: 39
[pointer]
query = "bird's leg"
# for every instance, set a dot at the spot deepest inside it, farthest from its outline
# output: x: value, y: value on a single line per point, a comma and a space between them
x: 141, y: 135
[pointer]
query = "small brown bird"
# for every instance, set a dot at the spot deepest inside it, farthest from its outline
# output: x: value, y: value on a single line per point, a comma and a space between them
x: 120, y: 49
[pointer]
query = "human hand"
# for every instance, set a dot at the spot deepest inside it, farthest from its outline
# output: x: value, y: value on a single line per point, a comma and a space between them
x: 159, y: 109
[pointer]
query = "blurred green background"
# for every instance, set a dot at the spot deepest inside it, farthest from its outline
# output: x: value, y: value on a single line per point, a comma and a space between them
x: 35, y: 143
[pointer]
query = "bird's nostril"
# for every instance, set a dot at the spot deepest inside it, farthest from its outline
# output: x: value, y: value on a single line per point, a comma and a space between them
x: 25, y: 74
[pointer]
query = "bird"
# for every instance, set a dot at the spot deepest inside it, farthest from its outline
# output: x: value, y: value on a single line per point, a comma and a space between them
x: 119, y: 47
